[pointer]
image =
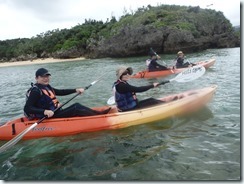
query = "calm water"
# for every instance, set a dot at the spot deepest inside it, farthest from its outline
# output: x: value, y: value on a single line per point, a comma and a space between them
x: 202, y: 146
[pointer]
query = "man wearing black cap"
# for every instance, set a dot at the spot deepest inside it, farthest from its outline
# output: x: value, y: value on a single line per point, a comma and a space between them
x: 41, y: 100
x: 42, y: 72
x: 152, y: 63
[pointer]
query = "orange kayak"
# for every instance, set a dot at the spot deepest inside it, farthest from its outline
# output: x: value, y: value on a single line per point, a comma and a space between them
x: 165, y: 73
x: 185, y: 102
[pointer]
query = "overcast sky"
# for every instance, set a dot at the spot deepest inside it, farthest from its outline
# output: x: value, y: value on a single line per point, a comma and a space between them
x: 27, y: 18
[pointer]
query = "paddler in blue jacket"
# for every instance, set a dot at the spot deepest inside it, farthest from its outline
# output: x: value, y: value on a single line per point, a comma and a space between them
x: 125, y: 94
x: 41, y: 100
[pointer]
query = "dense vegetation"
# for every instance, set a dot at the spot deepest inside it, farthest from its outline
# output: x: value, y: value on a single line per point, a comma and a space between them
x: 92, y: 31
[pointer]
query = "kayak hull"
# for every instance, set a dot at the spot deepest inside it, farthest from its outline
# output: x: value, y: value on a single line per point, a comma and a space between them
x: 165, y: 73
x: 181, y: 103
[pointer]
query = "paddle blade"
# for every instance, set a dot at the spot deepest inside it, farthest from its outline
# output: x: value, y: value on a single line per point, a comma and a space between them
x: 111, y: 100
x: 190, y: 74
x: 16, y: 139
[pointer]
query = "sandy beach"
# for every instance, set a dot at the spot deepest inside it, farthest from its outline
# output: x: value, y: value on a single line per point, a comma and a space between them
x: 38, y: 61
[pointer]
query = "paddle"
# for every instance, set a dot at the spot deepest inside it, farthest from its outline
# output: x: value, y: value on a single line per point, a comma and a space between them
x: 158, y: 56
x: 17, y: 138
x: 154, y: 52
x: 187, y: 75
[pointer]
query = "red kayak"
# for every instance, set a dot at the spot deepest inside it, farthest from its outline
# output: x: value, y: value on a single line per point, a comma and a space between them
x: 165, y: 73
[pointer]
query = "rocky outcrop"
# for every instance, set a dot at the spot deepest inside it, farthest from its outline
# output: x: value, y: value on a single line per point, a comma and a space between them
x: 137, y: 41
x: 190, y: 29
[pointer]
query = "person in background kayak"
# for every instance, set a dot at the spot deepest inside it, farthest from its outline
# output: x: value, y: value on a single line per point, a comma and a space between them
x: 180, y: 61
x: 125, y: 94
x: 41, y: 100
x: 152, y: 63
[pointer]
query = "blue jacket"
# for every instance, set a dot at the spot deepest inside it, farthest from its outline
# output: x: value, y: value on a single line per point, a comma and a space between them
x: 125, y: 101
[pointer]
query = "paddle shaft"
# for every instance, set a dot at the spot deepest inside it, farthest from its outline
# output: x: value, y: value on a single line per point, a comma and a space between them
x: 87, y: 87
x: 165, y: 82
x: 158, y: 56
x: 17, y: 138
x: 154, y: 52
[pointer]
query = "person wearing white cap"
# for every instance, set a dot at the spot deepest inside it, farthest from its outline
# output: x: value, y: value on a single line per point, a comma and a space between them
x: 180, y: 61
x: 125, y: 94
x: 41, y: 100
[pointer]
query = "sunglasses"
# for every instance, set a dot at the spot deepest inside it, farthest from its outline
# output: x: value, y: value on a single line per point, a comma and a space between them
x: 129, y: 71
x: 125, y: 73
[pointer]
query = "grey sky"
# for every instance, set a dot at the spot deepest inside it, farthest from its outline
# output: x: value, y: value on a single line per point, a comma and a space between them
x: 27, y: 18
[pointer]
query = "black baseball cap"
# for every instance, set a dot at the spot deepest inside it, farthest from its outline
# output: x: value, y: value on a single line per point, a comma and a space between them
x: 42, y: 72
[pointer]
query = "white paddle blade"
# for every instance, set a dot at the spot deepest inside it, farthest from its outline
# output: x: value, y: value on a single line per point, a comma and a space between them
x: 16, y: 139
x: 190, y: 74
x: 111, y: 100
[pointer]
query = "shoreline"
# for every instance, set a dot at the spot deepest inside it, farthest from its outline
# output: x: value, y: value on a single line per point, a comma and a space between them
x: 38, y: 61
